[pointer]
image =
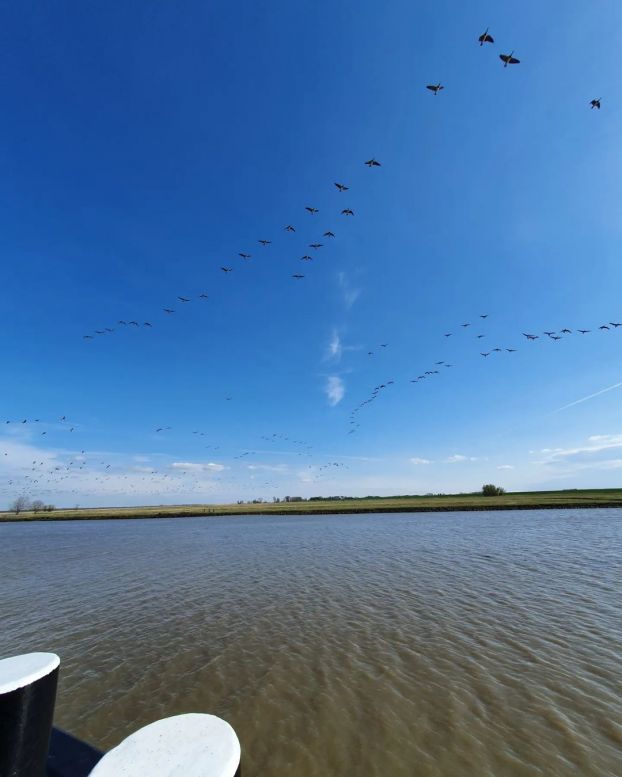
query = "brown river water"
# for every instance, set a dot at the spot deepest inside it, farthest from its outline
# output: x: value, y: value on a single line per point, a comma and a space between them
x: 413, y: 645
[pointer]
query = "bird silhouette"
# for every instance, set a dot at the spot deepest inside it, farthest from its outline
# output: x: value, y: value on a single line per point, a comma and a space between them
x: 297, y: 276
x: 614, y: 324
x: 485, y: 38
x: 373, y: 163
x: 341, y: 187
x: 583, y: 331
x: 347, y: 212
x: 530, y: 337
x: 566, y: 331
x: 264, y: 242
x: 311, y: 210
x: 436, y: 88
x: 168, y: 310
x: 315, y: 245
x: 603, y: 327
x: 183, y: 299
x: 289, y: 228
x: 509, y: 59
x: 227, y: 269
x: 245, y: 256
x: 329, y: 234
x: 595, y: 103
x: 306, y: 258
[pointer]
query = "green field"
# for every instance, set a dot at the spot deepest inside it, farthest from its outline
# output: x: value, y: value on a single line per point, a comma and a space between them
x: 402, y: 504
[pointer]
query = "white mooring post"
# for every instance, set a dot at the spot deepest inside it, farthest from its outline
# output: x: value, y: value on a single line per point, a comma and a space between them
x: 27, y: 697
x: 192, y: 745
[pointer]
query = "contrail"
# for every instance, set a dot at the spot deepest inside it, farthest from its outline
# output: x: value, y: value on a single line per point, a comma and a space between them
x: 585, y: 399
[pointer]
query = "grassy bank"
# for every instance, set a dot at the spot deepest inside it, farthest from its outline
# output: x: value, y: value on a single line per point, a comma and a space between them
x: 531, y: 500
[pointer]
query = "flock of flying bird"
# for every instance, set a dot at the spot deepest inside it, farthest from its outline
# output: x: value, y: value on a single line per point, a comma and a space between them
x: 52, y: 474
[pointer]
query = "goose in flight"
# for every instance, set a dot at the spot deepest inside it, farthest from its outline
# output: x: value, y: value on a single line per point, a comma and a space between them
x: 329, y: 234
x: 265, y: 242
x: 306, y: 258
x: 183, y: 299
x: 595, y: 104
x: 509, y: 59
x: 373, y: 163
x: 485, y: 315
x: 583, y: 331
x: 87, y: 337
x: 465, y: 325
x: 347, y: 212
x: 341, y: 187
x: 556, y: 337
x: 436, y: 88
x: 485, y: 38
x: 486, y: 354
x: 227, y: 269
x: 168, y: 310
x: 530, y: 337
x: 203, y: 296
x: 134, y: 323
x: 550, y: 334
x: 614, y: 324
x: 603, y: 327
x: 479, y: 337
x: 448, y: 334
x: 123, y: 323
x: 297, y: 276
x: 289, y: 228
x: 315, y: 245
x: 245, y: 256
x: 566, y: 331
x: 148, y: 324
x: 511, y: 350
x: 311, y: 210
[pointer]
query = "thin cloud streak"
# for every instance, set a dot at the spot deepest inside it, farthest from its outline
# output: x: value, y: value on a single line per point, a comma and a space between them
x: 585, y: 399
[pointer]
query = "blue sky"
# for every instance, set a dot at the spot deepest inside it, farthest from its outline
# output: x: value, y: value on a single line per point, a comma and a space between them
x: 145, y: 147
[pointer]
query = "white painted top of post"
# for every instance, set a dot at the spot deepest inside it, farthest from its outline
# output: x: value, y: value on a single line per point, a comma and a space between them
x: 192, y: 745
x: 20, y: 671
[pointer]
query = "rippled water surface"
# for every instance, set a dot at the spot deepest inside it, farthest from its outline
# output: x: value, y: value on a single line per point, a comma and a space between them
x: 468, y: 644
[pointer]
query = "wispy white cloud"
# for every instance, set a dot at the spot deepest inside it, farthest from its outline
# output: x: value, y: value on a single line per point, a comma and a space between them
x: 585, y: 399
x: 350, y: 293
x: 335, y: 390
x: 194, y: 466
x: 418, y: 460
x: 506, y: 466
x: 334, y: 350
x: 456, y: 458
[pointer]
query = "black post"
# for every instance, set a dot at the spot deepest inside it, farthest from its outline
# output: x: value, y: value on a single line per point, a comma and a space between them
x: 27, y: 697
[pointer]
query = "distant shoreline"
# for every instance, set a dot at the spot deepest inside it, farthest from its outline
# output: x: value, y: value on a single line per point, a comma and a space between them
x: 537, y: 500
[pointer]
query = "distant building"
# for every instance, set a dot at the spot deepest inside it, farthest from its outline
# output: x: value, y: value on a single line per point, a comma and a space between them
x: 293, y: 499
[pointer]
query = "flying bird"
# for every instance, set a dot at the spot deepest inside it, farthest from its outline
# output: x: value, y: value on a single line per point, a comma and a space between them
x: 297, y: 276
x: 595, y: 104
x: 583, y: 331
x: 227, y: 269
x: 347, y: 212
x: 550, y: 334
x: 485, y: 38
x: 306, y: 258
x: 511, y: 350
x: 448, y: 334
x: 87, y: 337
x: 465, y: 325
x: 245, y: 256
x: 315, y: 245
x: 289, y: 228
x: 614, y: 324
x: 329, y: 234
x: 341, y: 187
x: 486, y: 354
x: 530, y: 337
x: 203, y: 296
x: 556, y: 337
x: 168, y: 310
x: 509, y: 59
x: 148, y: 324
x: 265, y: 242
x: 566, y: 331
x: 603, y: 327
x: 436, y: 88
x: 183, y: 299
x: 311, y: 210
x: 373, y: 163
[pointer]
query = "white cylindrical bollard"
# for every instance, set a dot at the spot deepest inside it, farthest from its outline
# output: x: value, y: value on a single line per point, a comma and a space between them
x: 192, y: 745
x: 27, y: 697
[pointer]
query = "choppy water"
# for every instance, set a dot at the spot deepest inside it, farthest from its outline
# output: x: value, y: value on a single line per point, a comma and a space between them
x: 467, y: 644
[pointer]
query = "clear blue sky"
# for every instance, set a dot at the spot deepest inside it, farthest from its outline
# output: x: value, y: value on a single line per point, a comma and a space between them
x: 143, y: 147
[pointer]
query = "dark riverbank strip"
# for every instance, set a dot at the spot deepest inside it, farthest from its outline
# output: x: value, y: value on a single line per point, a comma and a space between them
x: 535, y: 500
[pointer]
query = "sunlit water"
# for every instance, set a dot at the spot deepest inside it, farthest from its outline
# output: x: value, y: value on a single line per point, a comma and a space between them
x: 466, y: 644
